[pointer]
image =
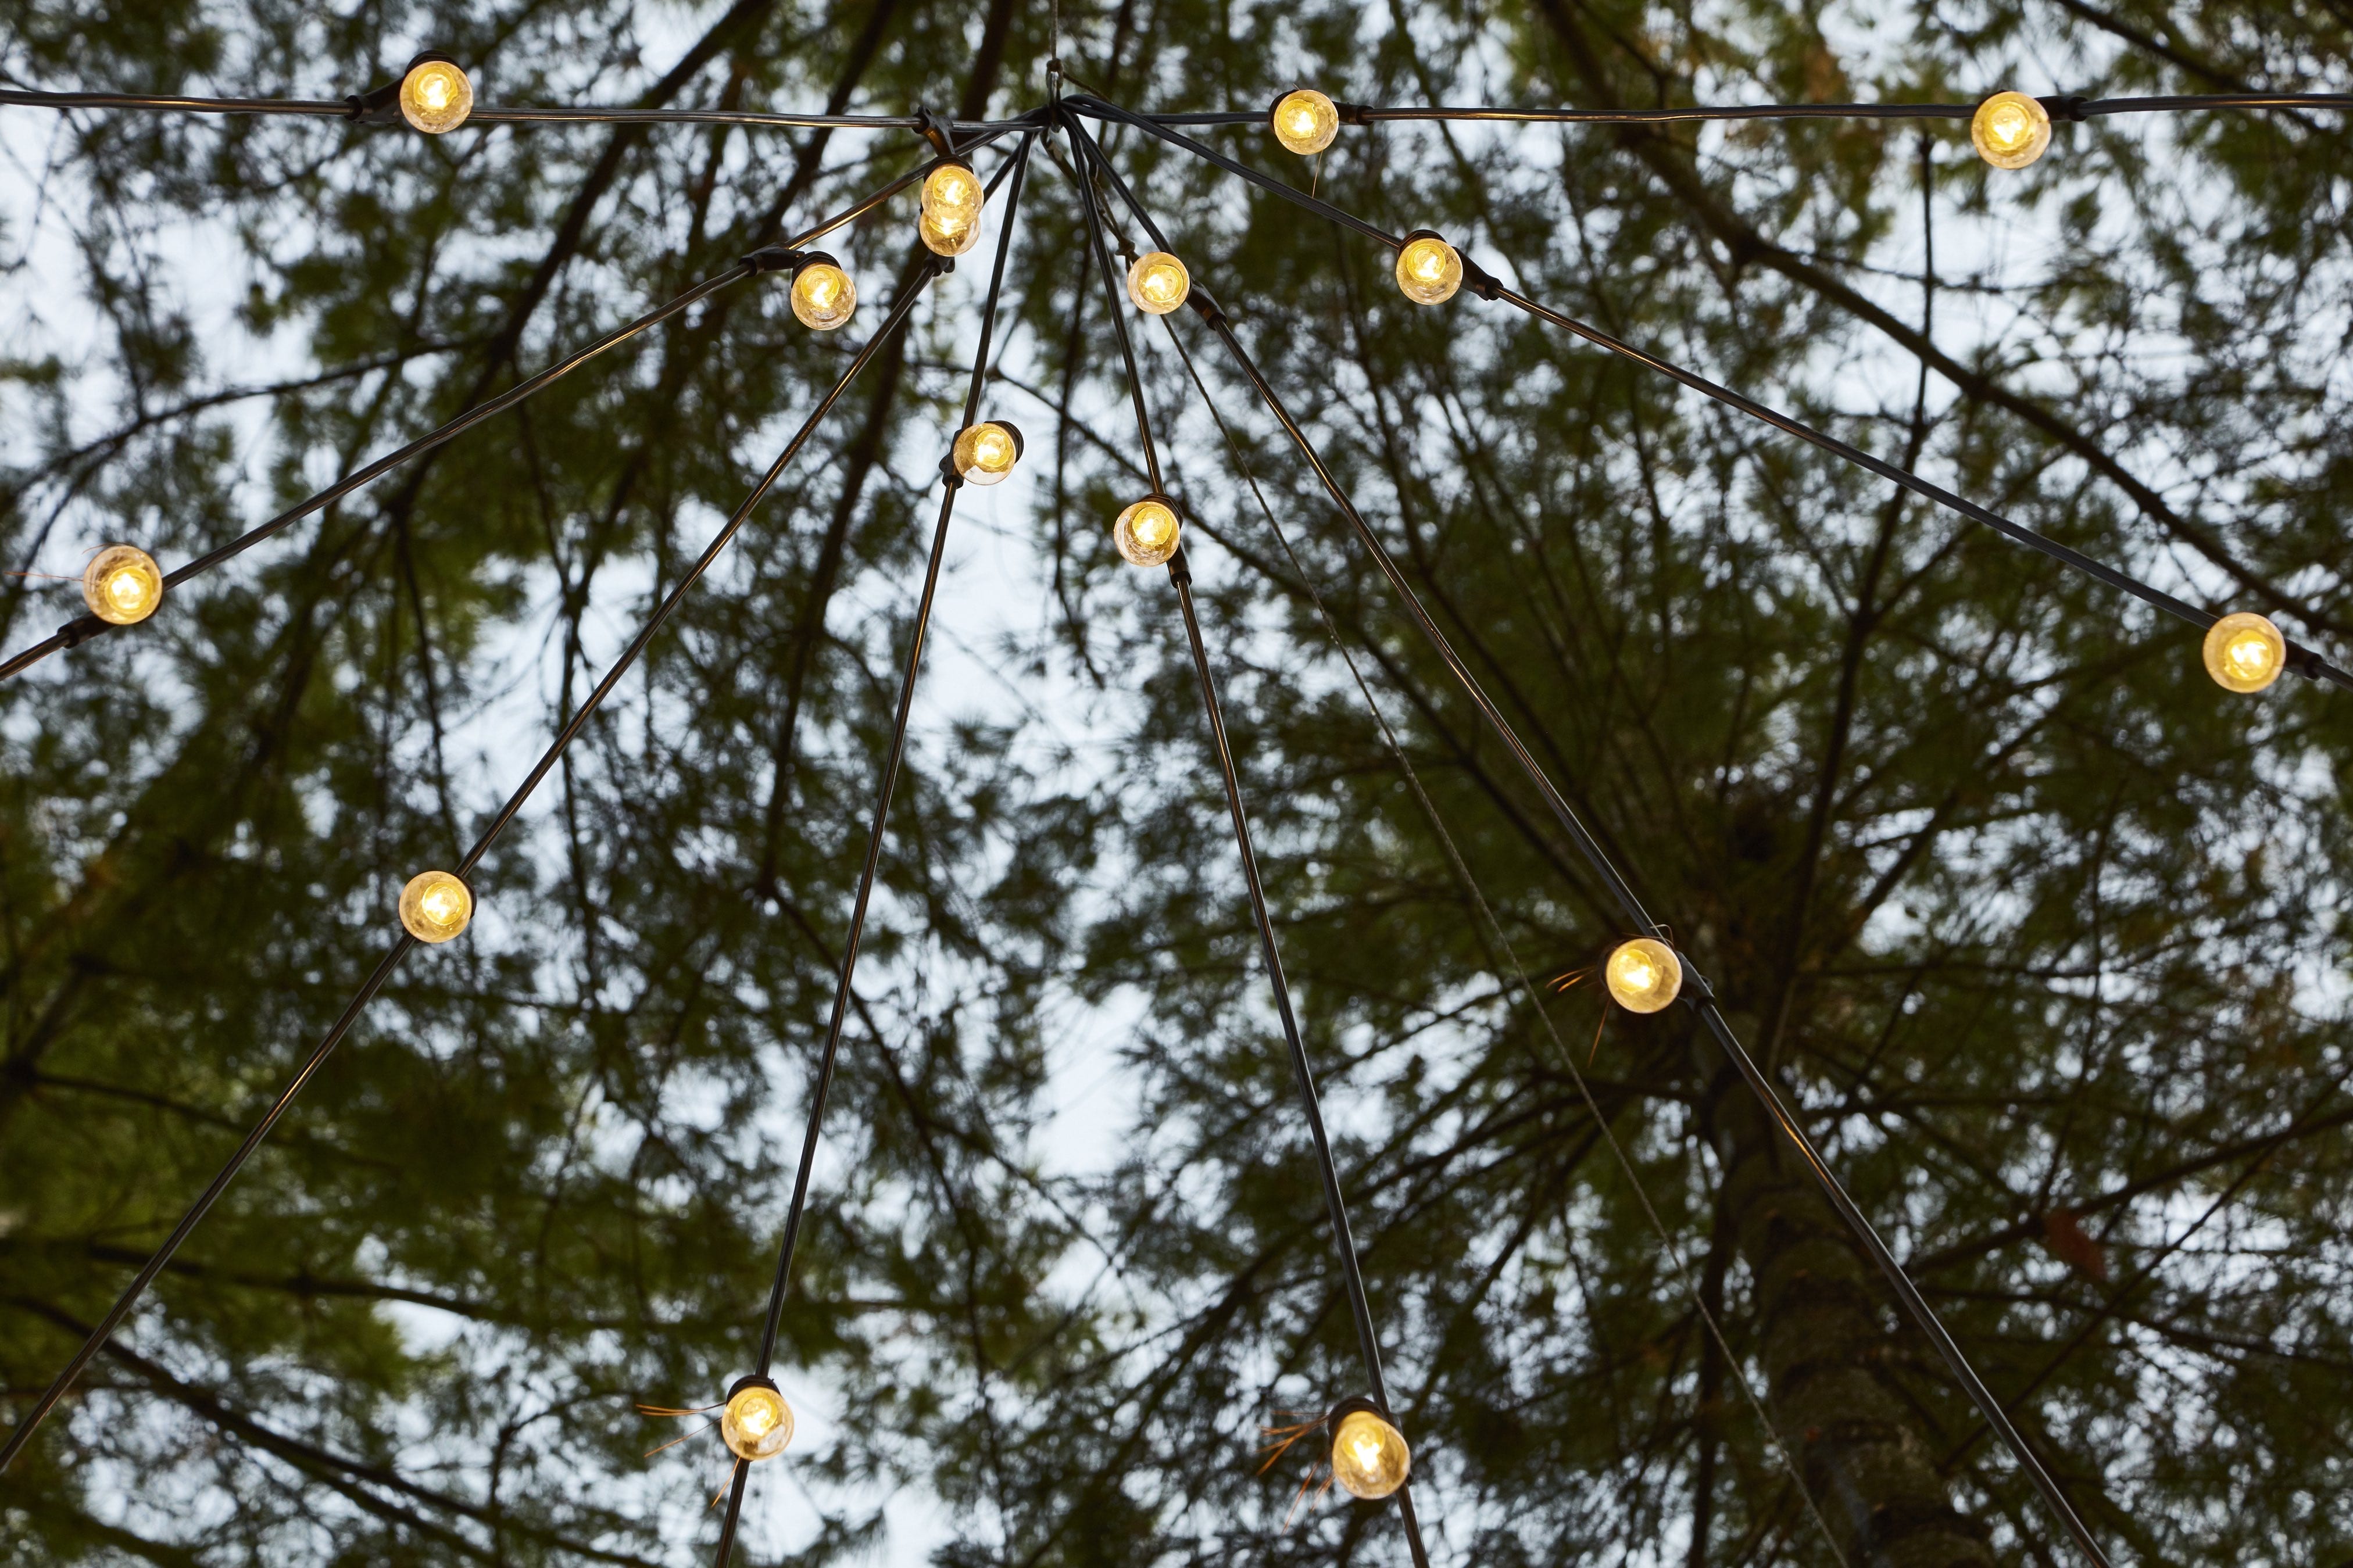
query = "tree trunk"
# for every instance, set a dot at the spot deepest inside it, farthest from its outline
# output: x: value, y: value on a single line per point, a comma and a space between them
x: 1826, y: 1346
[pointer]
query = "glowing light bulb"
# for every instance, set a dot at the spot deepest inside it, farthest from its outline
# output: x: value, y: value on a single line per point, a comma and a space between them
x: 1305, y: 121
x: 2010, y: 130
x: 122, y: 584
x: 985, y: 453
x: 2244, y: 651
x: 435, y: 96
x: 1158, y: 283
x: 1427, y: 268
x: 436, y: 906
x: 757, y: 1424
x: 1147, y: 532
x: 1643, y: 976
x: 823, y: 295
x: 953, y: 197
x: 1369, y: 1458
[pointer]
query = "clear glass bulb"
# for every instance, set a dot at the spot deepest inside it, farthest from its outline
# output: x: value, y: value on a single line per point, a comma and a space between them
x: 1370, y: 1458
x: 2245, y: 652
x: 2010, y: 130
x: 122, y: 584
x: 1147, y: 532
x: 823, y: 295
x: 1428, y: 269
x: 1305, y: 121
x: 1643, y: 976
x: 757, y: 1424
x: 984, y: 454
x: 436, y: 97
x: 436, y: 906
x: 953, y: 197
x: 1158, y: 283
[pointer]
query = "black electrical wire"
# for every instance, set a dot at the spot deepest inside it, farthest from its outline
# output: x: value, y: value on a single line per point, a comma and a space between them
x: 2303, y: 660
x: 2073, y: 106
x: 74, y: 633
x: 1180, y: 574
x: 1696, y: 993
x: 23, y: 1432
x: 344, y: 108
x: 893, y: 758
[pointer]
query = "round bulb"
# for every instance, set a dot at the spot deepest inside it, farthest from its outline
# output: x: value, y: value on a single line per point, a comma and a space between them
x: 757, y: 1425
x: 1146, y: 532
x: 1305, y: 121
x: 953, y: 196
x: 122, y: 584
x: 436, y: 906
x: 436, y: 97
x: 2244, y: 651
x: 2010, y: 130
x: 1428, y: 269
x: 823, y: 296
x: 1643, y: 976
x: 941, y: 240
x: 985, y: 453
x: 1369, y: 1458
x: 1158, y: 283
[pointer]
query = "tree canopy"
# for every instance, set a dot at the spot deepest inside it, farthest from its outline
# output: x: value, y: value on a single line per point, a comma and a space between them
x: 2039, y: 929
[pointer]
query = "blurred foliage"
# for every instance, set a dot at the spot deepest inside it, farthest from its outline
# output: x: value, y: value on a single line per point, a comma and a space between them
x: 2040, y: 928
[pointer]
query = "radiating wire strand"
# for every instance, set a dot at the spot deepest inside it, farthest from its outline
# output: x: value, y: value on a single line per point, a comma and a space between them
x: 1536, y: 1000
x: 24, y: 1429
x: 1180, y: 576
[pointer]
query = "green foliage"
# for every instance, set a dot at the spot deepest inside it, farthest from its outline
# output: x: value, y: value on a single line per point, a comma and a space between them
x: 2040, y: 928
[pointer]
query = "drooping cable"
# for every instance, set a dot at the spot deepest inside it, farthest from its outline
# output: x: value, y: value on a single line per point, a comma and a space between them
x: 1667, y: 1242
x: 2301, y: 659
x: 24, y: 1429
x: 893, y: 758
x: 74, y: 633
x: 2066, y: 106
x: 584, y: 114
x: 1180, y: 575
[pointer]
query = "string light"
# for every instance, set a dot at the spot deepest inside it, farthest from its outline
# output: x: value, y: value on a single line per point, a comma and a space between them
x: 435, y: 96
x: 122, y: 584
x: 1305, y: 121
x: 436, y: 906
x: 985, y: 453
x: 2245, y: 652
x: 1369, y: 1458
x: 1643, y: 974
x: 953, y: 198
x: 1427, y: 268
x: 2010, y: 130
x: 1158, y: 283
x: 1147, y: 532
x: 823, y: 295
x: 757, y: 1424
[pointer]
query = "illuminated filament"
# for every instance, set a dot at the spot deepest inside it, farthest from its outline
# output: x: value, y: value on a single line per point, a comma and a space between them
x: 122, y: 584
x: 953, y: 198
x: 1305, y: 121
x: 436, y: 906
x: 2245, y: 652
x: 984, y: 454
x: 435, y: 96
x: 1643, y: 976
x: 1158, y: 283
x: 1146, y: 532
x: 758, y: 1423
x: 2010, y: 130
x: 1370, y: 1458
x: 823, y: 295
x: 1429, y: 270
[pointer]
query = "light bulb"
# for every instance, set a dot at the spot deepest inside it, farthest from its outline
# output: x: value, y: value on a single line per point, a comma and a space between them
x: 436, y: 906
x: 1305, y: 121
x: 2244, y: 651
x: 758, y: 1423
x: 953, y: 196
x: 1643, y: 976
x: 1428, y: 269
x: 1369, y: 1458
x: 985, y: 453
x: 823, y: 295
x: 435, y: 96
x: 1146, y: 532
x: 122, y: 584
x: 2010, y: 130
x: 1158, y: 283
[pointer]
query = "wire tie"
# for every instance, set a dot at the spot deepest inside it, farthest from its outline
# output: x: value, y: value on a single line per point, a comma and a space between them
x: 1479, y: 281
x: 775, y: 258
